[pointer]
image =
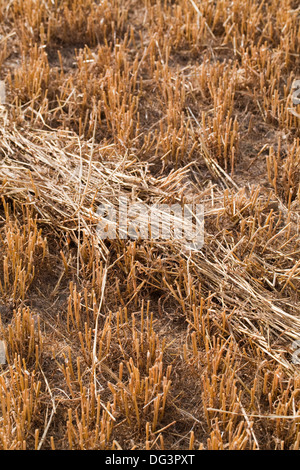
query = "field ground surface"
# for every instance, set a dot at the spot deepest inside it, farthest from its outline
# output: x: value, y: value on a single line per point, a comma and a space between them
x: 145, y: 344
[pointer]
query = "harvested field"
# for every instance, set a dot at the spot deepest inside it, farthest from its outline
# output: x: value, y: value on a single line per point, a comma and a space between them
x: 143, y: 343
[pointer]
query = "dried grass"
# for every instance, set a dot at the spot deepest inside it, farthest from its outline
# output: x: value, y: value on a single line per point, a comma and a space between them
x: 143, y: 344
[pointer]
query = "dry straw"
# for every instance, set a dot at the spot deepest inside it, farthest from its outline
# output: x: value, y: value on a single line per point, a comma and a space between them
x: 143, y: 344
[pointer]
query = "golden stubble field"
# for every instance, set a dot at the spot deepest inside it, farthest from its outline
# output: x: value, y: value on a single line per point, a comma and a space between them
x: 123, y: 344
